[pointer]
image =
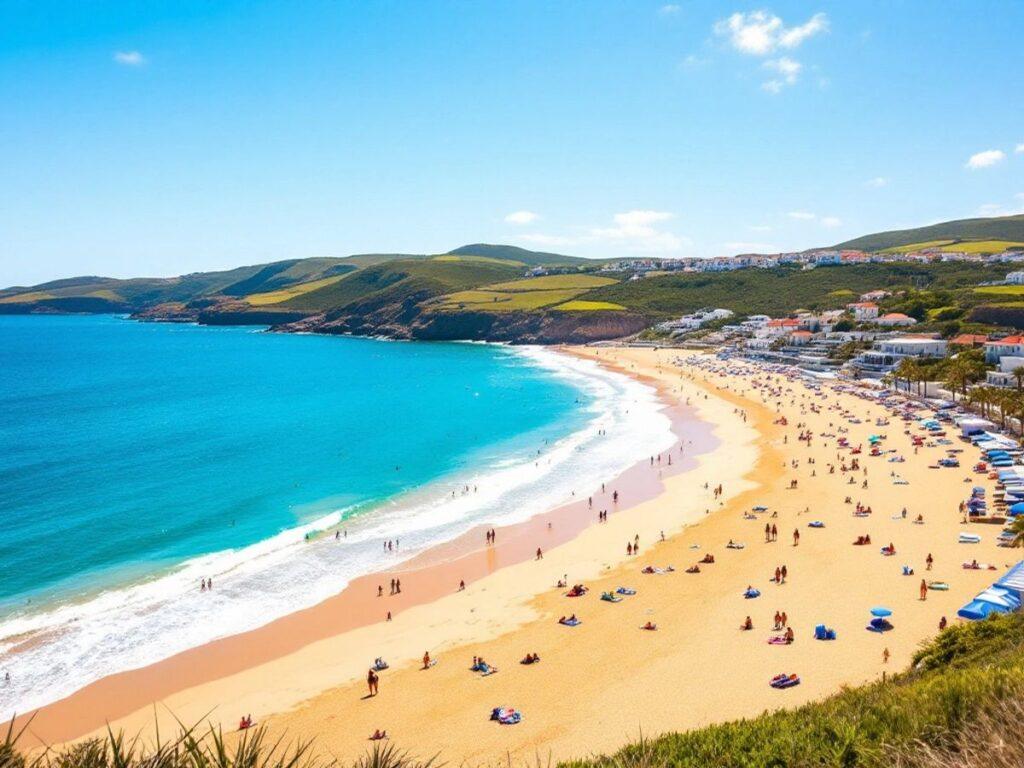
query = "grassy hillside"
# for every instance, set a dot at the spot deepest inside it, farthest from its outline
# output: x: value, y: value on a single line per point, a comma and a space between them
x: 783, y: 290
x: 1010, y: 228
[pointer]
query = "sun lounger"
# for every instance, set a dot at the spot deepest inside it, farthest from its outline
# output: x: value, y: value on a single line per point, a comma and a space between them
x: 941, y: 586
x: 969, y: 538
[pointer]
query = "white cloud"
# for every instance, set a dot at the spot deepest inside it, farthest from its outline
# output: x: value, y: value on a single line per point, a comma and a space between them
x: 794, y: 36
x: 831, y: 221
x: 636, y: 229
x: 788, y: 70
x: 759, y: 228
x: 877, y: 183
x: 521, y: 217
x: 985, y: 159
x: 692, y: 61
x: 669, y: 8
x: 760, y: 33
x: 999, y: 209
x: 130, y: 58
x: 802, y: 215
x: 1019, y: 149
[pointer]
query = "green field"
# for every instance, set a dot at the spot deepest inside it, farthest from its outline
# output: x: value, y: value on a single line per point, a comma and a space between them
x: 581, y: 305
x: 554, y: 282
x: 284, y: 294
x: 918, y: 246
x: 1001, y: 290
x: 26, y: 298
x: 499, y: 301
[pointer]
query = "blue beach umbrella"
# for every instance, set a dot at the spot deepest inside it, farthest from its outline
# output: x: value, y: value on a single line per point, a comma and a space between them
x: 1017, y: 509
x: 880, y: 611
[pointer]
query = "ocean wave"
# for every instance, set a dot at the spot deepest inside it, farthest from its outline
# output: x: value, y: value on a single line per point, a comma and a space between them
x: 54, y: 650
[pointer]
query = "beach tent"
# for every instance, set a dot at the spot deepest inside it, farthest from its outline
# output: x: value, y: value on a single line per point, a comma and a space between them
x: 1013, y: 580
x: 974, y: 426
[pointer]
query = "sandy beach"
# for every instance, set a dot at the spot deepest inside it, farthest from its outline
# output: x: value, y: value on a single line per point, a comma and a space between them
x: 602, y: 683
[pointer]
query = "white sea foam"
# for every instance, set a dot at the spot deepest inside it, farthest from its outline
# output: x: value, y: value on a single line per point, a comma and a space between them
x: 53, y: 651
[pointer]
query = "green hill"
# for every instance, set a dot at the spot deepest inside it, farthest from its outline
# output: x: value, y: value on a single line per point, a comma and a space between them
x: 1009, y: 228
x: 523, y: 256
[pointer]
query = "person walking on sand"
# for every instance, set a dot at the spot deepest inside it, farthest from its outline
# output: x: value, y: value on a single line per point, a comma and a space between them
x: 796, y: 537
x: 426, y: 659
x: 540, y: 554
x: 785, y: 572
x: 928, y: 562
x: 924, y: 589
x: 775, y: 532
x: 372, y: 681
x: 767, y: 533
x: 885, y: 655
x: 398, y: 586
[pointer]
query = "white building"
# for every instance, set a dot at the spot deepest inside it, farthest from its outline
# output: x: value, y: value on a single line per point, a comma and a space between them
x: 863, y: 311
x: 886, y: 354
x: 1010, y: 346
x: 1015, y: 278
x: 1003, y: 376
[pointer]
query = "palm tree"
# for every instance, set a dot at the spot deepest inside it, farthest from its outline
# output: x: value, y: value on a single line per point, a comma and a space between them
x: 908, y: 369
x: 1017, y: 529
x: 1018, y: 374
x: 961, y: 371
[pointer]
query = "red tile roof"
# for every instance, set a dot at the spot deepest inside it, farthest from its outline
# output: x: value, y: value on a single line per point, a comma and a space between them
x: 1009, y: 341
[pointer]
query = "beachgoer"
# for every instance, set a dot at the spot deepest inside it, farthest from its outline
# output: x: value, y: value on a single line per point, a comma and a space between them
x: 372, y: 681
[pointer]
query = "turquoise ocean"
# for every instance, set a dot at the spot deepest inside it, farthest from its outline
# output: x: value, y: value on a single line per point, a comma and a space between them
x: 138, y: 458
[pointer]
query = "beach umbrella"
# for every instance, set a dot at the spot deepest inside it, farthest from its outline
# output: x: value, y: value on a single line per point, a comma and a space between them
x: 880, y: 611
x: 1017, y: 509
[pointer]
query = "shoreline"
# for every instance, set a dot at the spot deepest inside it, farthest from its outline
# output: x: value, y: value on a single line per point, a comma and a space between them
x: 427, y: 576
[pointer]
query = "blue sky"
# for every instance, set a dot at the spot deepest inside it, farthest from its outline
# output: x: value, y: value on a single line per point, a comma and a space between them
x: 159, y: 138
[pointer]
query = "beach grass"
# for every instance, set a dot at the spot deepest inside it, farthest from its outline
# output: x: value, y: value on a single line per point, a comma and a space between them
x: 969, y: 675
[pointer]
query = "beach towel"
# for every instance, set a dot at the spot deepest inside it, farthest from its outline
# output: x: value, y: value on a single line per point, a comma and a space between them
x: 608, y: 597
x: 506, y: 715
x: 571, y: 622
x: 816, y: 524
x: 486, y: 670
x: 626, y: 591
x: 784, y: 681
x: 777, y: 640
